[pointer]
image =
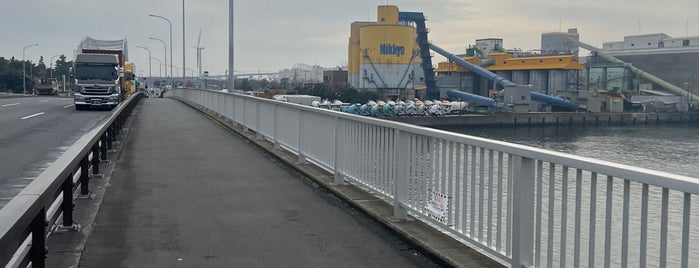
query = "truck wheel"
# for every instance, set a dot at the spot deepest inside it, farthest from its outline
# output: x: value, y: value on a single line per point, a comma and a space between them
x: 79, y: 107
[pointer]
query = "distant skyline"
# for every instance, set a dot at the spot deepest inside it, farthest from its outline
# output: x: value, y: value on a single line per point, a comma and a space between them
x: 274, y: 35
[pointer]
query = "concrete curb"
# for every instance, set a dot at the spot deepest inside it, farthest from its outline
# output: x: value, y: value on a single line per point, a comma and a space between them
x: 439, y: 246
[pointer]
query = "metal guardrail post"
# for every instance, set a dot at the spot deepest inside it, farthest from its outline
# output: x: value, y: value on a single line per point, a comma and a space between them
x: 95, y: 159
x: 103, y: 148
x: 402, y: 165
x: 276, y: 127
x: 258, y: 135
x: 37, y: 253
x: 84, y: 177
x: 245, y: 118
x: 302, y: 158
x: 111, y: 137
x: 67, y: 205
x: 339, y: 179
x: 523, y: 211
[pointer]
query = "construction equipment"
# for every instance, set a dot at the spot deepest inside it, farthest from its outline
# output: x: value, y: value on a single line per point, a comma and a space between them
x: 47, y: 86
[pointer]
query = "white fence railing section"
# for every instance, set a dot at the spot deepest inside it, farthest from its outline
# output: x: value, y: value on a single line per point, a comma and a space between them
x: 520, y: 205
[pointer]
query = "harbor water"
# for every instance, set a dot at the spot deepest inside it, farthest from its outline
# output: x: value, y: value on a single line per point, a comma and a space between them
x: 671, y: 148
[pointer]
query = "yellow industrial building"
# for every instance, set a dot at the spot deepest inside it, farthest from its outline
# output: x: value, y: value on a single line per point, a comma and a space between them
x: 383, y: 55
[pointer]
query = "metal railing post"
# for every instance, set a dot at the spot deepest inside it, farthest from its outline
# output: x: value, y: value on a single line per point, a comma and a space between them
x: 110, y: 137
x: 37, y: 253
x: 258, y: 135
x: 402, y: 165
x: 523, y: 211
x: 67, y: 205
x: 245, y: 117
x: 95, y: 159
x: 84, y: 177
x: 103, y: 148
x: 115, y: 125
x: 339, y: 179
x: 302, y: 158
x: 276, y: 127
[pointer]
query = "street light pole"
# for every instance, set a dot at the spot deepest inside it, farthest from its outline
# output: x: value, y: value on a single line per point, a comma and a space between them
x: 170, y: 25
x: 150, y: 70
x: 184, y: 65
x: 164, y: 56
x: 231, y: 51
x: 24, y: 72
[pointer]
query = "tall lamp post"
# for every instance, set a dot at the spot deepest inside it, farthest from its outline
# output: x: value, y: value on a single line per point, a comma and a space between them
x: 24, y: 72
x: 231, y: 51
x: 184, y: 65
x: 165, y: 54
x: 150, y: 70
x: 169, y: 24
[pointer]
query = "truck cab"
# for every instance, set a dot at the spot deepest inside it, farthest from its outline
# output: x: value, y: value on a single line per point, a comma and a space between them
x: 97, y: 80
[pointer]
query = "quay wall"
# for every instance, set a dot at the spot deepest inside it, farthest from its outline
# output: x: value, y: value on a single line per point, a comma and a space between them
x: 549, y: 119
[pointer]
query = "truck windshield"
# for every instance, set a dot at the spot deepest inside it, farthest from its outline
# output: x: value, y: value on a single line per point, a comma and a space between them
x: 89, y: 71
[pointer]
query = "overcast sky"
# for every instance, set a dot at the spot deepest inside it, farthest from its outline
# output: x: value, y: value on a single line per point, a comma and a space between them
x: 274, y: 35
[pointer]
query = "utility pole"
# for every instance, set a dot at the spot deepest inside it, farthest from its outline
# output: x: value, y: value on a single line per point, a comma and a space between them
x: 24, y: 72
x: 184, y: 64
x: 231, y: 51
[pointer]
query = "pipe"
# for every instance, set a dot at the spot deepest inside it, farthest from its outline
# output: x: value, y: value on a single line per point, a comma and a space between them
x: 497, y: 80
x: 471, y: 97
x: 658, y: 81
x: 555, y: 101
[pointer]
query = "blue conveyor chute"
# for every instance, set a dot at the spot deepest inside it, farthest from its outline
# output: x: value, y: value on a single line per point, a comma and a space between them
x: 555, y: 101
x: 497, y: 80
x: 419, y: 19
x: 471, y: 97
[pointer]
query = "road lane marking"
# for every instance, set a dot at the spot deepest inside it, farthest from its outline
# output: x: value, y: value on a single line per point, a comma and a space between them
x: 30, y: 116
x: 44, y: 100
x: 10, y: 104
x: 68, y: 106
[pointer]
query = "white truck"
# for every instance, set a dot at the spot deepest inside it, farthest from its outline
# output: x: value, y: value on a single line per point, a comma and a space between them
x: 99, y: 73
x: 97, y: 78
x: 298, y: 99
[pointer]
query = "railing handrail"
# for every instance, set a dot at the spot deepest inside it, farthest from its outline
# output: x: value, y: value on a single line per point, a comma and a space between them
x: 17, y: 215
x: 638, y: 174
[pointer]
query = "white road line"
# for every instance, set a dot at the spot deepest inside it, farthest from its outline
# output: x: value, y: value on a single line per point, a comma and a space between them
x: 30, y: 116
x: 8, y: 105
x: 44, y: 100
x: 68, y: 106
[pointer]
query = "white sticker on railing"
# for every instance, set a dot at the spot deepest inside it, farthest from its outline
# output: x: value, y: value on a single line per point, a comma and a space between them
x: 437, y: 207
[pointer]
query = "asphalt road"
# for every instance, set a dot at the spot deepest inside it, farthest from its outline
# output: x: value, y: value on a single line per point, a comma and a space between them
x: 34, y: 132
x: 188, y: 193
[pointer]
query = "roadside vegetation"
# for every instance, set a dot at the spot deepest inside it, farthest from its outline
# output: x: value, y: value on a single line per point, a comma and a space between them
x: 11, y: 72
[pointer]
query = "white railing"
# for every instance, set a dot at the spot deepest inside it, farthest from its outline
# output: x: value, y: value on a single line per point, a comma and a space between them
x: 522, y: 206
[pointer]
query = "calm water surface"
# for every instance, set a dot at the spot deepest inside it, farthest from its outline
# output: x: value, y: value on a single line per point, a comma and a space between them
x: 670, y: 148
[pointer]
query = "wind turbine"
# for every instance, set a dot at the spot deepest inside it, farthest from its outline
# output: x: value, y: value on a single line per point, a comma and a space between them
x: 199, y: 49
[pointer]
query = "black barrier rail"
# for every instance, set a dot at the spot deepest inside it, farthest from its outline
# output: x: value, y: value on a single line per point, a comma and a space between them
x: 29, y: 212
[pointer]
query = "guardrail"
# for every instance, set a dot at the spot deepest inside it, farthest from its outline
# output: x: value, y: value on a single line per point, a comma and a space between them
x: 523, y: 206
x: 25, y: 219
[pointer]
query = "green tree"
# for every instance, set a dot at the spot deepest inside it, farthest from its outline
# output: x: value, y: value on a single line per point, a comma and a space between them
x: 11, y: 75
x: 62, y: 67
x: 40, y: 68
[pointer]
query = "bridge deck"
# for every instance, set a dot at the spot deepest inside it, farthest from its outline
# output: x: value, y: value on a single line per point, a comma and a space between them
x: 187, y: 193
